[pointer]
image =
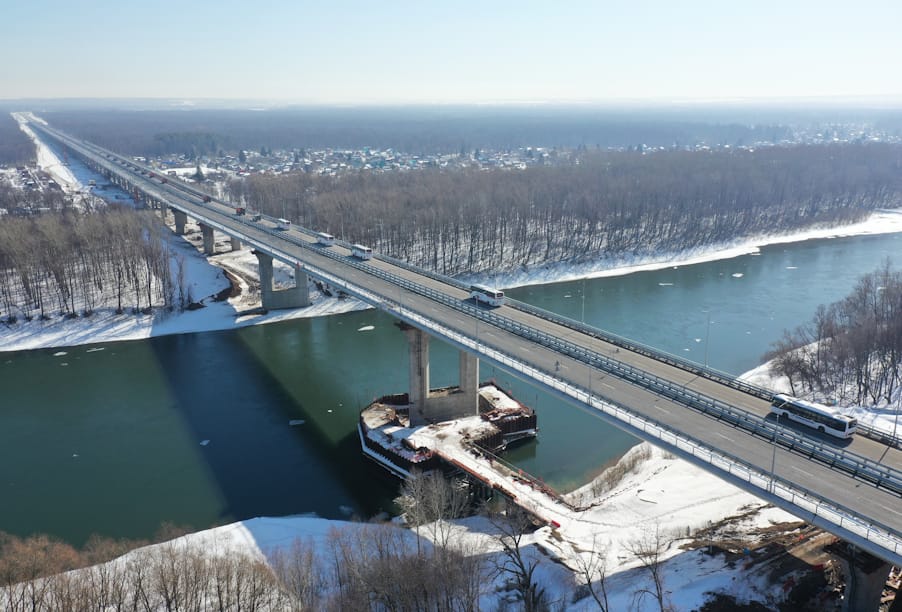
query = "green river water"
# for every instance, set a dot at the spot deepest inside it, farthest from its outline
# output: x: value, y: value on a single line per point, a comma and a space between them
x: 193, y: 429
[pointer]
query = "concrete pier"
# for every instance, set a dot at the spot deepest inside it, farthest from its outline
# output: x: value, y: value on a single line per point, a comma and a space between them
x: 209, y: 242
x: 433, y: 407
x: 236, y: 244
x: 180, y: 220
x: 295, y: 297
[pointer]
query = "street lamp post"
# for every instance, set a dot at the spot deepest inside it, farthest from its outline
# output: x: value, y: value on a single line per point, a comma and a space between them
x: 707, y: 336
x: 582, y: 318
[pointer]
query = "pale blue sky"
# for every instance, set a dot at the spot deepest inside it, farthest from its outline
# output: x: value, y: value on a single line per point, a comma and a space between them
x: 452, y: 51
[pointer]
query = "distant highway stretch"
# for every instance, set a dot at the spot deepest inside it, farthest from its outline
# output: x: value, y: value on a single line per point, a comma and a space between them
x: 853, y: 489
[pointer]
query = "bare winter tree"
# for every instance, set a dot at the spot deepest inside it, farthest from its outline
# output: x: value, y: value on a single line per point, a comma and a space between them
x: 592, y: 569
x: 649, y: 551
x: 516, y: 564
x: 431, y: 500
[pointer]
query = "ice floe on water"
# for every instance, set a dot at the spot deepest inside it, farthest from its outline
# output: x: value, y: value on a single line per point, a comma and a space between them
x: 95, y: 349
x: 367, y: 328
x: 737, y: 275
x: 665, y: 284
x: 294, y: 422
x: 60, y: 353
x: 204, y: 442
x: 792, y: 267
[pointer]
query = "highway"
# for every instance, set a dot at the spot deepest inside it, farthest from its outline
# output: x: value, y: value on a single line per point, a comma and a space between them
x: 857, y: 481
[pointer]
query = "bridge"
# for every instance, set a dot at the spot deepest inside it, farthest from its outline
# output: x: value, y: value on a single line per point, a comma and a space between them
x: 852, y: 489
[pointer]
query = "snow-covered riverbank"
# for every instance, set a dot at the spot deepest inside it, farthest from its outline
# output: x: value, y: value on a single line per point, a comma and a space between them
x: 659, y: 494
x: 880, y: 222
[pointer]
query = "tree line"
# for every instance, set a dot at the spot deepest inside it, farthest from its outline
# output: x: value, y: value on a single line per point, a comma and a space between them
x: 851, y: 351
x: 415, y: 130
x: 71, y: 263
x: 371, y: 566
x: 16, y: 147
x: 604, y: 204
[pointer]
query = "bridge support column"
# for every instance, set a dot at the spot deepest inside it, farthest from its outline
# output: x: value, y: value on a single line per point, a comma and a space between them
x: 180, y: 220
x: 236, y: 244
x: 209, y: 243
x: 295, y: 297
x: 867, y: 577
x: 418, y: 373
x: 428, y: 406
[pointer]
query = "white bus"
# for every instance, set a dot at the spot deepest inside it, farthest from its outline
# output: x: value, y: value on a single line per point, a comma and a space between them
x: 362, y: 252
x: 325, y: 239
x: 822, y: 418
x: 283, y: 224
x: 488, y: 295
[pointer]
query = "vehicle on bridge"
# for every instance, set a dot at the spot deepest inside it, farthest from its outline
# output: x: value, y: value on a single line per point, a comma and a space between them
x: 822, y: 418
x: 325, y: 239
x: 207, y: 198
x: 362, y: 252
x: 487, y: 295
x: 255, y: 216
x: 283, y: 224
x: 240, y: 211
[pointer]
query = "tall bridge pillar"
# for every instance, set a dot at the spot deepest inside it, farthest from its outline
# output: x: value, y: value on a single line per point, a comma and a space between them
x: 295, y: 297
x: 433, y: 406
x: 418, y: 372
x: 236, y: 244
x: 209, y: 243
x: 867, y: 576
x: 180, y: 220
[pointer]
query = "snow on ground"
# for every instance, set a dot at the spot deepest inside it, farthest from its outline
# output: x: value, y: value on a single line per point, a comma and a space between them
x: 661, y: 493
x: 205, y: 279
x: 886, y: 221
x: 47, y: 159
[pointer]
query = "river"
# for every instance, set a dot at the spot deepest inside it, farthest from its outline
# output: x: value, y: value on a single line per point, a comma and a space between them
x: 194, y: 430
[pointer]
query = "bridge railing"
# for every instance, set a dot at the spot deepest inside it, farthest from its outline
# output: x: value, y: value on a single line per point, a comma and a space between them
x: 687, y: 446
x: 638, y: 347
x: 858, y: 467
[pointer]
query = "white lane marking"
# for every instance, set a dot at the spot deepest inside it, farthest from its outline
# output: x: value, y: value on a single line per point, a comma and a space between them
x: 798, y: 469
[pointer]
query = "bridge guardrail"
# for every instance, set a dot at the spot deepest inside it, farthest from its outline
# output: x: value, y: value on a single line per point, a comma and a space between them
x: 871, y: 531
x: 770, y: 484
x: 637, y: 347
x: 858, y: 467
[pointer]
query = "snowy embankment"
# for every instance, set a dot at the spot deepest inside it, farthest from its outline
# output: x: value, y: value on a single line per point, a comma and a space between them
x: 46, y: 158
x: 206, y: 280
x: 658, y: 495
x: 884, y: 221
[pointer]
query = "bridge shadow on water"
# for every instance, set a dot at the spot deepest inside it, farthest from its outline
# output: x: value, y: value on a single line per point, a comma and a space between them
x: 238, y: 412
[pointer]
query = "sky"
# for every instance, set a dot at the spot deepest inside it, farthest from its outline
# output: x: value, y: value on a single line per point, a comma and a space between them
x: 460, y: 51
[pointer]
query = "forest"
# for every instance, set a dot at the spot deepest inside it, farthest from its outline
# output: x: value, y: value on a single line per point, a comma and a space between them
x: 69, y: 263
x: 604, y: 204
x: 15, y: 146
x: 415, y: 130
x: 851, y: 351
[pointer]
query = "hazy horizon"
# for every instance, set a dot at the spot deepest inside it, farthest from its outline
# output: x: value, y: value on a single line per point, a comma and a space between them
x: 501, y: 53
